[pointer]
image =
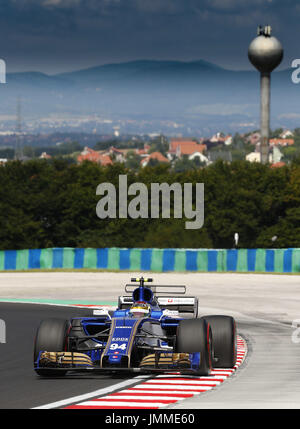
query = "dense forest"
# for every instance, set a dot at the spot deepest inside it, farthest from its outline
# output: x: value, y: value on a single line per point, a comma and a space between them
x: 53, y: 204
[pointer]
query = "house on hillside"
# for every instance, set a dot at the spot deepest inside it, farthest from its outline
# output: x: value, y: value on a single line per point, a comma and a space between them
x: 143, y: 152
x: 153, y: 156
x: 190, y: 149
x: 215, y: 138
x: 89, y: 154
x: 253, y: 156
x: 45, y: 155
x: 115, y: 154
x: 184, y: 147
x: 286, y: 133
x: 281, y: 142
x: 253, y: 138
x: 219, y: 138
x: 202, y: 158
x: 275, y: 155
x: 278, y: 164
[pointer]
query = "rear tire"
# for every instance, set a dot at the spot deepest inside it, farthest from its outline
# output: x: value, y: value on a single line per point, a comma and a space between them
x: 194, y: 336
x: 51, y: 336
x: 224, y: 340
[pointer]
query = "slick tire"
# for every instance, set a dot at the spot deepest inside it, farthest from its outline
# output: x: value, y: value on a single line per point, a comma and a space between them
x: 194, y: 336
x: 51, y: 336
x: 224, y: 340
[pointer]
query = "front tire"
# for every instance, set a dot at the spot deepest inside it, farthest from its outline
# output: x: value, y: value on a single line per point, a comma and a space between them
x: 51, y: 336
x: 224, y: 340
x: 194, y: 336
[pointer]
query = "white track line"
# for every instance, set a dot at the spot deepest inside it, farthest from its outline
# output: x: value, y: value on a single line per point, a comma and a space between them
x: 89, y: 395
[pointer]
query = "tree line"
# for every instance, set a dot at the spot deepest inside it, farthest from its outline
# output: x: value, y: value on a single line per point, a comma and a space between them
x: 52, y: 203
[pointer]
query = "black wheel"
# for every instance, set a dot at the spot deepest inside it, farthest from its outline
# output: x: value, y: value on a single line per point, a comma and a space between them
x: 51, y: 336
x: 194, y: 336
x: 224, y: 340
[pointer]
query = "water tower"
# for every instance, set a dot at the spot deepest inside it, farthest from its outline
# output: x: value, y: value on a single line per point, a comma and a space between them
x: 265, y: 53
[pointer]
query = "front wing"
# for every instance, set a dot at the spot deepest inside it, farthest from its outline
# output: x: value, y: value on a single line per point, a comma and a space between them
x: 152, y: 363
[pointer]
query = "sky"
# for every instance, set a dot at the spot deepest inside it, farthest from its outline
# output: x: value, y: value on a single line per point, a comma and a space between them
x: 54, y: 36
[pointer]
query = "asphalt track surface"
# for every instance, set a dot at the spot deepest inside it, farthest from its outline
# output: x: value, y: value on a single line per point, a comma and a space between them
x: 20, y: 387
x: 269, y: 378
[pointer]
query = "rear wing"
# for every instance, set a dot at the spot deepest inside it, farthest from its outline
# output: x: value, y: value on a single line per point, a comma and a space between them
x: 160, y: 289
x: 184, y: 304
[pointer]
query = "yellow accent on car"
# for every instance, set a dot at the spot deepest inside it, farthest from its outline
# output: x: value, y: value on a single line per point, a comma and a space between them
x: 180, y: 359
x: 65, y: 358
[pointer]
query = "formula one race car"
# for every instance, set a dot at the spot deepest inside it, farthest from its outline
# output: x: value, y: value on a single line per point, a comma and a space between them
x: 145, y: 334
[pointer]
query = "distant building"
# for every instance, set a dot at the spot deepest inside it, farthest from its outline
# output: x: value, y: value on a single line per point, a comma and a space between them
x: 117, y: 154
x: 286, y: 133
x: 180, y: 147
x: 281, y: 142
x: 253, y: 138
x: 144, y: 151
x: 200, y: 156
x: 219, y: 138
x: 215, y: 138
x: 278, y: 164
x: 274, y: 155
x: 155, y: 156
x: 175, y: 142
x: 228, y: 140
x: 89, y: 154
x: 190, y: 149
x: 253, y: 157
x: 45, y: 155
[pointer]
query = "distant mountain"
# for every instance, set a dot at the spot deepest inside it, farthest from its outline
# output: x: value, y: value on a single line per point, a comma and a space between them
x: 143, y: 70
x: 196, y: 92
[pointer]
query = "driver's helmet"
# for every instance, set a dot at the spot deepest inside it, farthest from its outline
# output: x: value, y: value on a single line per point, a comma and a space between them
x: 140, y: 309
